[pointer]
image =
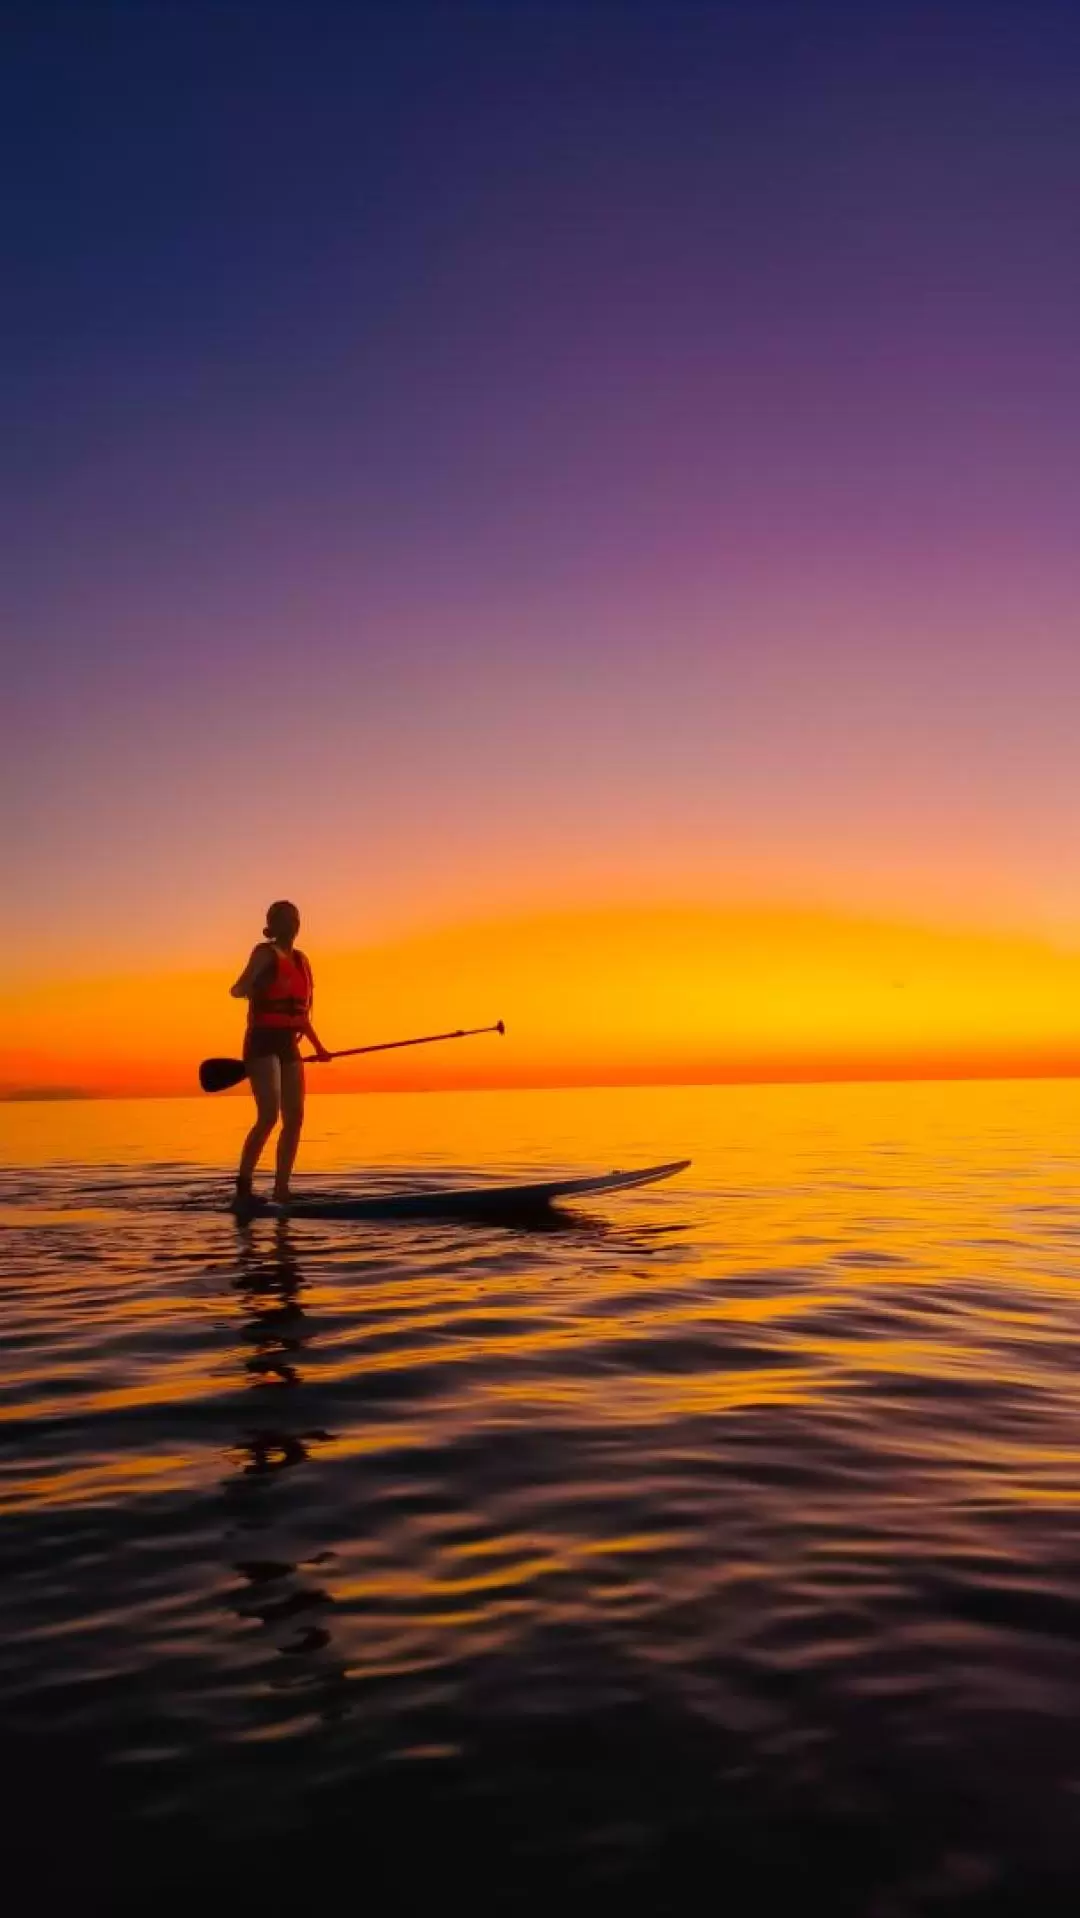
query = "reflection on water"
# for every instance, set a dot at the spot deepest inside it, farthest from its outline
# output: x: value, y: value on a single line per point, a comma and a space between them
x: 284, y: 1597
x: 728, y: 1535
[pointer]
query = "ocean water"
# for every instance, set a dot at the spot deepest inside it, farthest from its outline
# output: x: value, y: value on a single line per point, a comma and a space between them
x: 713, y: 1547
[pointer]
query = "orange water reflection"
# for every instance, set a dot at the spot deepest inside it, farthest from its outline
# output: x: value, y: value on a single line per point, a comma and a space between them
x: 790, y: 1439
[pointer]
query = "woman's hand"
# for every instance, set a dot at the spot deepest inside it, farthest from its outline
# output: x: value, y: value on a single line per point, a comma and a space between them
x: 309, y: 1033
x: 258, y: 966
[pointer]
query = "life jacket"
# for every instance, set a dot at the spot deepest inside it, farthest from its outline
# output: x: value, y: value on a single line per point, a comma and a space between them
x: 282, y: 999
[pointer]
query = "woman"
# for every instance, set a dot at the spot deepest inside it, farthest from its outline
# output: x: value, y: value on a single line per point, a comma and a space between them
x: 278, y: 986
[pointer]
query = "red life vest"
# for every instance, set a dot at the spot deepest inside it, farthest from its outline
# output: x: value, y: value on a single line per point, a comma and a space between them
x: 282, y: 998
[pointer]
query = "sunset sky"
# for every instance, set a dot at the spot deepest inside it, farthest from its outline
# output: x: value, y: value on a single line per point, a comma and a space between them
x: 581, y: 496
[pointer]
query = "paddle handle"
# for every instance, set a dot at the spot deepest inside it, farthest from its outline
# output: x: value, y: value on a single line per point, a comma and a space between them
x: 392, y: 1045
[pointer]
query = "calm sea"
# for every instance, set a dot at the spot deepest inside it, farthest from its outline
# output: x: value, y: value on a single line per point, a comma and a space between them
x: 715, y: 1547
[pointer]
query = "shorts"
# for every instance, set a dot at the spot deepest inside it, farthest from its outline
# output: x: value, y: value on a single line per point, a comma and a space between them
x: 272, y: 1042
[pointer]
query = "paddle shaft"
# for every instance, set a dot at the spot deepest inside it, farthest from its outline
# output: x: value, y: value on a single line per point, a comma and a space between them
x: 392, y: 1045
x: 218, y: 1075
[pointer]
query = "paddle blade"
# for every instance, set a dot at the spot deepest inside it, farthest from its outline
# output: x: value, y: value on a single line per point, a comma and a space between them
x: 217, y: 1075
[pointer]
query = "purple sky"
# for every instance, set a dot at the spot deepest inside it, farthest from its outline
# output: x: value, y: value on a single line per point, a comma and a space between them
x: 455, y: 456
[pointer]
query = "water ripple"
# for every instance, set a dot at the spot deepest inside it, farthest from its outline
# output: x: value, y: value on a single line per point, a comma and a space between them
x: 730, y: 1534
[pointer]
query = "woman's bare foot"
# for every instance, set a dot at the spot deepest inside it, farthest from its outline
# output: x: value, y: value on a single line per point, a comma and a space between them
x: 243, y: 1203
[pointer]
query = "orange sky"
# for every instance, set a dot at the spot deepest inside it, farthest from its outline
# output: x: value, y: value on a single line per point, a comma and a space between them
x: 612, y: 996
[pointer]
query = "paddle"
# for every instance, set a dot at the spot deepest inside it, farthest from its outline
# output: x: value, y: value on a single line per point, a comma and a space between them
x: 217, y: 1075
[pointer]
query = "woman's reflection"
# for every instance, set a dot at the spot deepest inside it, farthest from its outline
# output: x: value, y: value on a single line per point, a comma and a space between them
x: 280, y: 1585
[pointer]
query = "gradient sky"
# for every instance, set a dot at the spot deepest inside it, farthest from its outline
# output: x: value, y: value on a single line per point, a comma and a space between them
x: 613, y: 463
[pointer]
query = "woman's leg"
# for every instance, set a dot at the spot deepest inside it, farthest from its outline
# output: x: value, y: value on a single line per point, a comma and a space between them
x: 292, y: 1119
x: 265, y: 1077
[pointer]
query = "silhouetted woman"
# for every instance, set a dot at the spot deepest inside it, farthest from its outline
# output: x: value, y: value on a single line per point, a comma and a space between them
x: 278, y: 986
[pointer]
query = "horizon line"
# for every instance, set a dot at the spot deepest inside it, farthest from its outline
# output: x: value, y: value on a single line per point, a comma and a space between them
x: 47, y: 1095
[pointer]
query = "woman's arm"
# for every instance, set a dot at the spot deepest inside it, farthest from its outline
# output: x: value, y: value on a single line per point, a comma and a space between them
x: 260, y: 962
x: 308, y: 1031
x: 310, y: 1034
x: 313, y: 1038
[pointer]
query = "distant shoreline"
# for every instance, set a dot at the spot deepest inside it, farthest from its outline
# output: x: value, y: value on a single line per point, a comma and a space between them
x: 48, y: 1095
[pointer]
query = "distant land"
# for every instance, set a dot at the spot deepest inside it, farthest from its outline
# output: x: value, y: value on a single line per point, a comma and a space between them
x: 26, y: 1095
x: 871, y: 1075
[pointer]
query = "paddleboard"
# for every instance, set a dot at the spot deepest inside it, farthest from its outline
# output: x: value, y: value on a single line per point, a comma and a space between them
x: 489, y: 1201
